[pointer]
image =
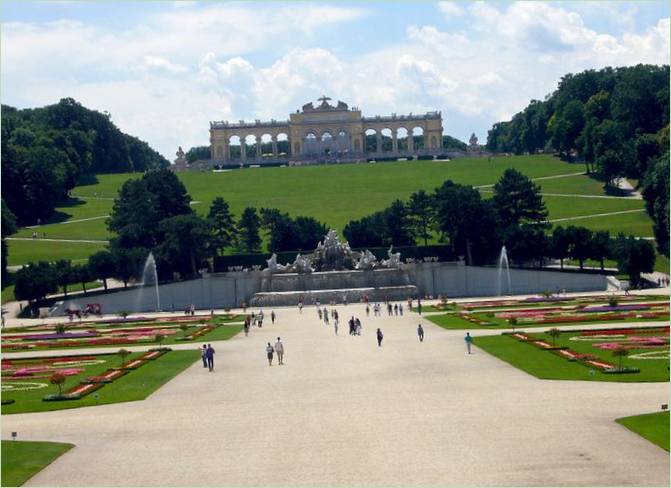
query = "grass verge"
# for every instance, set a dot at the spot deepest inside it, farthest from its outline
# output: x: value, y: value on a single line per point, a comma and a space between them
x: 21, y: 460
x: 651, y: 426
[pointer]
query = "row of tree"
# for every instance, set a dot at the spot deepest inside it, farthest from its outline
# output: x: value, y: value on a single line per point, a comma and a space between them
x: 46, y: 150
x: 615, y: 119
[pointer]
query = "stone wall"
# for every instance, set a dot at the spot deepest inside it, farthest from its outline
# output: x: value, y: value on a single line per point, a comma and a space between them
x: 223, y: 290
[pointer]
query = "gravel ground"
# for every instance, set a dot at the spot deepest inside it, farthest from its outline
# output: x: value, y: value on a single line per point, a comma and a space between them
x: 343, y: 412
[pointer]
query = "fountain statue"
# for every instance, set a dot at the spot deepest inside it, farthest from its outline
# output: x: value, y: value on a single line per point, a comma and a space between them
x: 149, y: 274
x: 394, y: 260
x: 367, y: 261
x: 503, y: 259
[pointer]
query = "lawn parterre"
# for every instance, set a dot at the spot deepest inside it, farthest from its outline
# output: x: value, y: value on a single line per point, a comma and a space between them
x: 121, y: 332
x: 585, y: 355
x: 651, y: 426
x: 141, y: 375
x: 21, y: 460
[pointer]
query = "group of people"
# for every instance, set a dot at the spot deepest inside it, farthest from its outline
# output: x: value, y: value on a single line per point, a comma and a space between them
x: 279, y: 349
x: 256, y: 319
x: 207, y: 355
x: 395, y: 309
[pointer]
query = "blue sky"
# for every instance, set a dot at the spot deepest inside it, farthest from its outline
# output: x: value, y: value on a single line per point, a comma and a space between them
x: 165, y: 69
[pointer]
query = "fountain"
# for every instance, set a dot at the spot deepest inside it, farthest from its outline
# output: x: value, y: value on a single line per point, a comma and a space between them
x: 149, y: 273
x: 503, y: 258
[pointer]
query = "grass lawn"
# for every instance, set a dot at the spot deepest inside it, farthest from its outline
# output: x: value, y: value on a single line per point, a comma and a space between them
x: 22, y: 252
x: 651, y: 426
x: 22, y: 460
x: 662, y: 264
x: 546, y: 365
x: 136, y: 385
x: 8, y: 291
x: 635, y: 223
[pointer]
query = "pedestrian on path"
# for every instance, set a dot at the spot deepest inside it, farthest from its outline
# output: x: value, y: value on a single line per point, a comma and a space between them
x: 269, y: 353
x: 380, y: 336
x: 272, y: 316
x: 419, y: 306
x: 279, y: 349
x: 420, y: 333
x: 335, y: 325
x: 400, y: 309
x: 210, y: 357
x: 203, y: 355
x: 469, y: 341
x: 357, y: 323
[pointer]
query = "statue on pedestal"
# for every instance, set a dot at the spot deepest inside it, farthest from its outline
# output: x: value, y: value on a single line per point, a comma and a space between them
x: 181, y: 163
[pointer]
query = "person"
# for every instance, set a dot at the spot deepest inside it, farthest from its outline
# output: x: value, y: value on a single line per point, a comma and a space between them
x: 400, y: 309
x: 420, y: 333
x: 247, y: 323
x: 269, y: 353
x: 326, y: 316
x: 279, y: 349
x: 210, y: 357
x: 335, y: 325
x: 389, y: 309
x: 395, y: 308
x: 410, y: 303
x: 272, y: 316
x: 203, y: 355
x: 469, y: 341
x: 367, y: 310
x: 357, y: 323
x: 344, y: 299
x: 351, y: 326
x: 419, y: 306
x: 379, y: 337
x: 319, y: 312
x: 300, y: 307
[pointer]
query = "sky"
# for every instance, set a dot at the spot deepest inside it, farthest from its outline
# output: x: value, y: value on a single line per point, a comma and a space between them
x: 164, y: 70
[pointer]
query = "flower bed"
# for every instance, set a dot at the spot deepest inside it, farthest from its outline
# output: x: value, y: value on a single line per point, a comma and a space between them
x: 107, y: 377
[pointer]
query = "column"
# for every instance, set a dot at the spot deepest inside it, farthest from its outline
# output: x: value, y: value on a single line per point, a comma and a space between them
x: 243, y: 149
x: 394, y: 141
x: 259, y: 151
x: 225, y: 155
x: 411, y: 142
x: 378, y: 141
x: 274, y: 140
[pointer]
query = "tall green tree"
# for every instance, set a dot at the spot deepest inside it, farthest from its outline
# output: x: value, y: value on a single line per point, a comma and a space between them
x: 128, y: 263
x: 580, y: 247
x: 517, y: 200
x: 397, y: 224
x: 656, y: 195
x: 34, y: 282
x: 633, y: 256
x: 8, y: 228
x: 102, y: 266
x: 421, y: 216
x: 221, y: 224
x: 64, y: 274
x: 184, y: 242
x: 560, y: 244
x: 248, y: 230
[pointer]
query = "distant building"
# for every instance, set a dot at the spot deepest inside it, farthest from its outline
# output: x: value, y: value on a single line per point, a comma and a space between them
x: 326, y: 132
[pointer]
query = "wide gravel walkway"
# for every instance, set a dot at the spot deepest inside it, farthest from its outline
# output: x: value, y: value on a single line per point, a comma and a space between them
x: 343, y: 412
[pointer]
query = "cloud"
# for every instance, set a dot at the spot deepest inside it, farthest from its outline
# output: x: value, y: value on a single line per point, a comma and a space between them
x: 156, y: 64
x: 451, y: 9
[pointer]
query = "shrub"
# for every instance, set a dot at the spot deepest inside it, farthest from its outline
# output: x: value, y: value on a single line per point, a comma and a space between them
x: 58, y: 379
x: 123, y: 354
x: 612, y: 301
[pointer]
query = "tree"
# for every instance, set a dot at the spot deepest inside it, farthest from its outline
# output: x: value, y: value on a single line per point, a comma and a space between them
x: 580, y: 246
x: 57, y: 378
x: 221, y: 224
x: 123, y: 354
x: 633, y: 256
x: 102, y: 266
x: 184, y: 242
x: 183, y: 328
x: 559, y: 245
x: 526, y: 243
x: 128, y: 262
x: 517, y: 200
x: 656, y: 195
x: 198, y: 152
x: 307, y: 233
x: 600, y: 246
x: 248, y: 230
x: 554, y: 333
x: 64, y: 274
x: 366, y: 232
x: 619, y: 353
x: 8, y: 228
x: 82, y: 274
x: 279, y: 228
x: 33, y: 282
x: 421, y: 215
x: 396, y: 221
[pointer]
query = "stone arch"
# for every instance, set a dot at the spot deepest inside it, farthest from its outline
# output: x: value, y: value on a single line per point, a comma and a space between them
x: 370, y: 139
x: 434, y: 142
x: 267, y: 144
x: 311, y: 143
x: 251, y: 146
x: 402, y: 139
x: 387, y: 136
x: 342, y: 140
x: 283, y: 144
x: 418, y: 137
x: 234, y: 148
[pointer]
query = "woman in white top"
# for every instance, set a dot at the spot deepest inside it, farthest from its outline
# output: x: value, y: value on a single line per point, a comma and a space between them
x: 269, y: 352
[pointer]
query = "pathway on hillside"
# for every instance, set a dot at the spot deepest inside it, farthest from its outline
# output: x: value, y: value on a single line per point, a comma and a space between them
x: 344, y: 412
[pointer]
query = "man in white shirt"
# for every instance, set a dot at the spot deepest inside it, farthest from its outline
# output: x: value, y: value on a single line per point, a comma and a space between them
x: 279, y: 349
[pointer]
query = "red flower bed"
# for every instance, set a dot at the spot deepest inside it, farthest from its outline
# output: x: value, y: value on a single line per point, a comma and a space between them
x: 79, y: 391
x: 107, y: 377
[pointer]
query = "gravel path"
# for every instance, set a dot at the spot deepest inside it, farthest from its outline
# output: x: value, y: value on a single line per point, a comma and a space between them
x: 344, y: 412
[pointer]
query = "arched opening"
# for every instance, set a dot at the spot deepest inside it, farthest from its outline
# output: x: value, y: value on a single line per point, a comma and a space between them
x: 311, y: 144
x: 267, y: 146
x: 251, y: 147
x: 387, y: 144
x: 370, y: 140
x: 434, y: 142
x: 283, y: 144
x: 402, y: 139
x: 327, y: 143
x: 418, y: 137
x: 234, y: 148
x: 342, y: 141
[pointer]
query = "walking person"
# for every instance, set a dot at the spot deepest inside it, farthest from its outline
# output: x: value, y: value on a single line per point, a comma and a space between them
x: 419, y: 306
x: 351, y: 326
x: 380, y: 336
x: 319, y: 312
x: 269, y: 353
x: 335, y: 325
x: 210, y: 357
x: 395, y: 308
x: 279, y: 349
x: 272, y: 317
x: 420, y: 333
x: 247, y: 321
x: 357, y: 324
x: 469, y: 341
x: 203, y: 355
x: 367, y: 311
x: 400, y: 309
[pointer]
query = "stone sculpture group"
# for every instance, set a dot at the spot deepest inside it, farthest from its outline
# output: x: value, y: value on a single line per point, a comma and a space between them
x: 332, y: 254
